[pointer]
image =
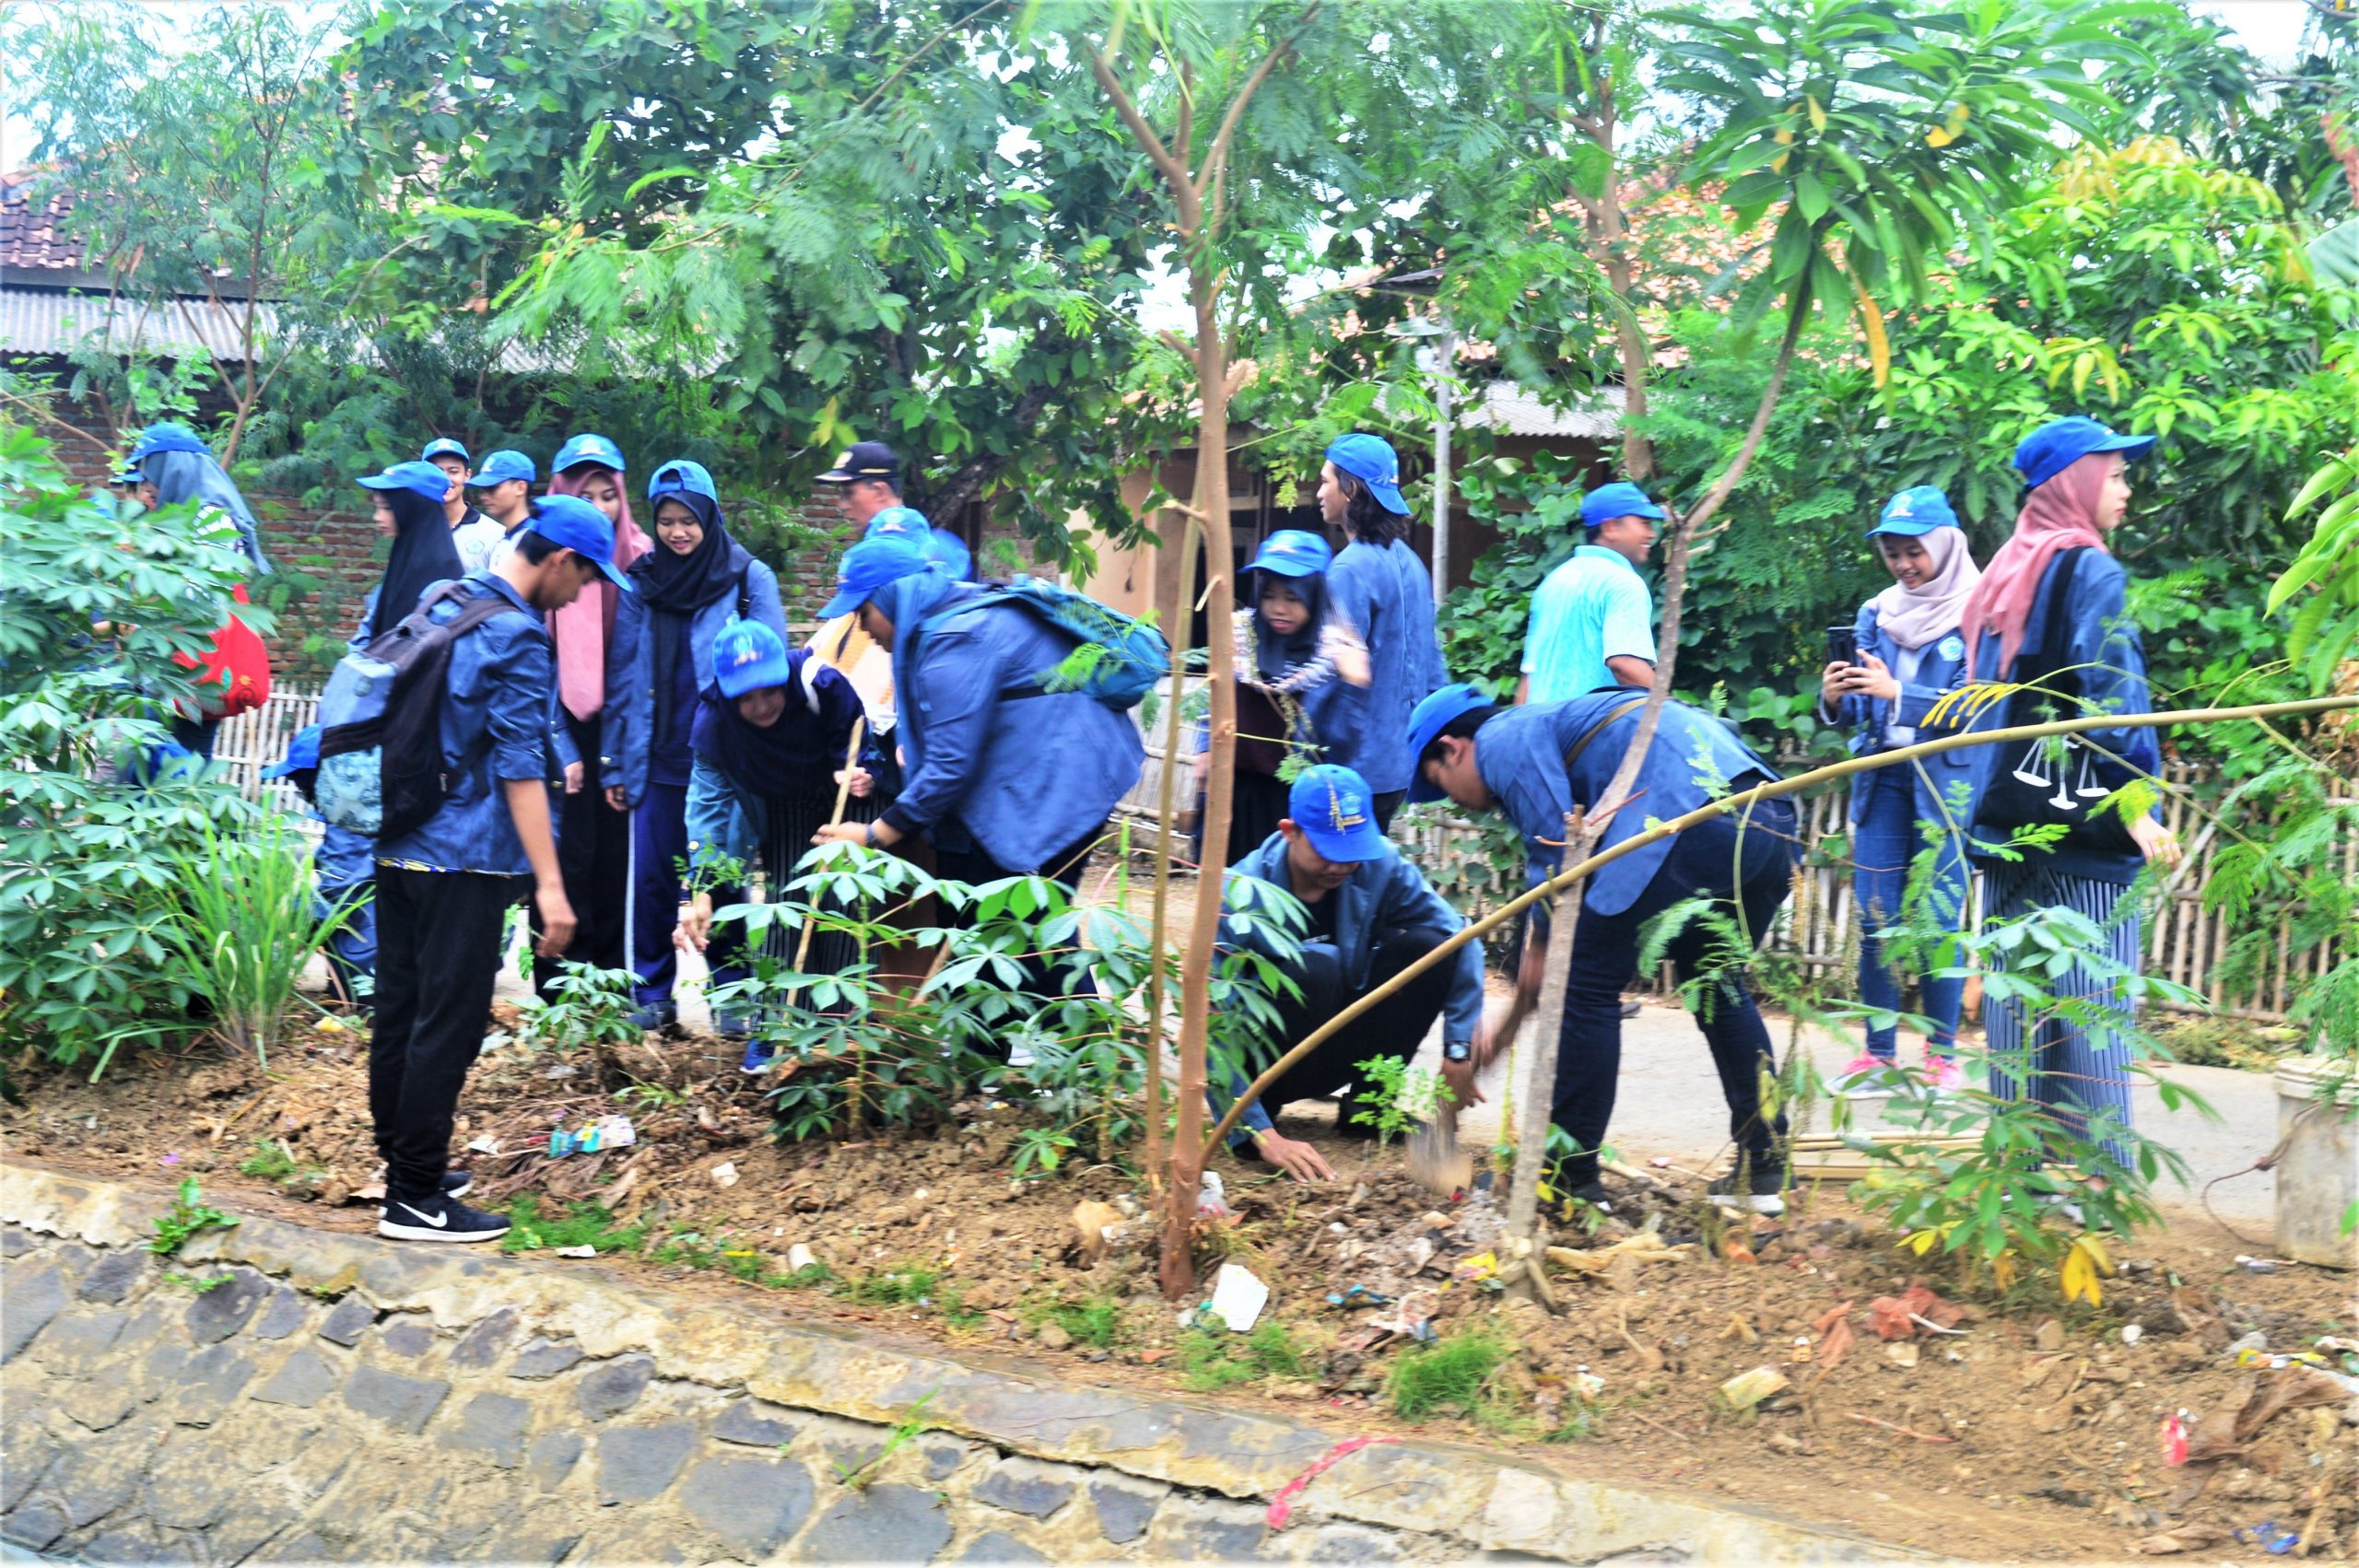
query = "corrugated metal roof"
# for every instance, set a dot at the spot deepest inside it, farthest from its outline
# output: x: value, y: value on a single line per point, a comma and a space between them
x: 1515, y: 411
x: 55, y: 320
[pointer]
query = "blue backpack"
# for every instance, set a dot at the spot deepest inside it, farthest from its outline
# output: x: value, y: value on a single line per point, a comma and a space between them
x: 1121, y: 658
x: 382, y: 770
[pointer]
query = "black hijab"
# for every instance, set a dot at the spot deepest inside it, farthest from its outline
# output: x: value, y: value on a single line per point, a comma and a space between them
x: 673, y: 588
x: 1274, y: 655
x: 423, y: 555
x: 794, y: 758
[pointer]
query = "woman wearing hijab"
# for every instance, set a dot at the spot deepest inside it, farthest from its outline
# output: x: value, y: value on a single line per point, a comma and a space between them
x: 172, y: 466
x: 768, y: 736
x: 2048, y: 613
x: 1302, y: 677
x: 409, y: 512
x: 594, y: 826
x: 1909, y: 655
x: 693, y: 585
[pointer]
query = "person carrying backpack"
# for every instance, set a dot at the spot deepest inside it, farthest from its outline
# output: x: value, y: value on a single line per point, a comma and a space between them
x: 1009, y: 768
x: 696, y: 582
x: 444, y: 883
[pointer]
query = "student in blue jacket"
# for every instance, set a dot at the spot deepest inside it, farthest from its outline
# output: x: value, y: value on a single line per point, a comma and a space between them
x: 1302, y: 675
x: 1003, y: 776
x: 1909, y: 655
x: 695, y: 583
x: 2049, y: 613
x: 346, y: 867
x: 1385, y: 592
x: 769, y: 737
x: 1534, y: 763
x: 1371, y: 916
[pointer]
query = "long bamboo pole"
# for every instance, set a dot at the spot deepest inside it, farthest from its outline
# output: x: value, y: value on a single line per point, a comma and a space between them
x: 1735, y: 802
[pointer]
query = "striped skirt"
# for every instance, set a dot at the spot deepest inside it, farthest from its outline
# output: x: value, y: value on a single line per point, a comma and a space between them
x: 787, y: 825
x: 2081, y: 1070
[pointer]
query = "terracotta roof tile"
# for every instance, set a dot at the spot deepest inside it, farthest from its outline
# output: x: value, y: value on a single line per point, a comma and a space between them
x: 32, y: 235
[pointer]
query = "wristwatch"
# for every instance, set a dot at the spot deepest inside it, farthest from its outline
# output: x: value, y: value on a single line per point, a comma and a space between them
x: 1457, y: 1050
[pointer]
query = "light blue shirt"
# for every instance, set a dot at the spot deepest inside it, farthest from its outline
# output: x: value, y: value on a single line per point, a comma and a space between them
x: 1593, y: 608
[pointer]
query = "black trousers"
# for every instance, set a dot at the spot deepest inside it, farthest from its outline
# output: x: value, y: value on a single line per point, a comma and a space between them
x: 1257, y: 804
x: 1385, y: 805
x: 594, y: 856
x: 1743, y: 867
x: 1394, y: 1027
x: 437, y: 958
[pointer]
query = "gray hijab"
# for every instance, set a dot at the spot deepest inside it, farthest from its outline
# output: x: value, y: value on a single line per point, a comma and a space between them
x: 193, y: 476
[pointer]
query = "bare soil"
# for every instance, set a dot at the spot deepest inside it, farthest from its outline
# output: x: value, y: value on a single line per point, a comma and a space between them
x: 2032, y: 1432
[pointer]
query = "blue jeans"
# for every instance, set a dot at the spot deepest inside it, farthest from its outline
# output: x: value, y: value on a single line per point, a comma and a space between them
x: 1884, y: 838
x: 347, y: 866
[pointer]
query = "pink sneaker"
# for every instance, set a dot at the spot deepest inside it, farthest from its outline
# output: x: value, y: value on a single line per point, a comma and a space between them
x: 1944, y: 1074
x: 1867, y: 1077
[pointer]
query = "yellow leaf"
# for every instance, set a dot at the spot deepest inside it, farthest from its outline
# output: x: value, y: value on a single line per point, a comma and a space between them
x: 1940, y: 137
x: 1817, y: 114
x: 1778, y: 163
x: 1872, y: 324
x: 1922, y: 1242
x: 1959, y: 114
x: 1785, y: 137
x: 2003, y: 1270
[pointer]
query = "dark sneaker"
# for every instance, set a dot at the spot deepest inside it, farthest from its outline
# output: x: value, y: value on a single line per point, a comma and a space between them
x: 1763, y: 1192
x: 455, y: 1184
x: 1630, y: 1007
x: 760, y: 1057
x: 438, y: 1219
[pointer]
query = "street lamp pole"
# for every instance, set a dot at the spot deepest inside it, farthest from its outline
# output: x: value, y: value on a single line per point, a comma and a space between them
x: 1444, y: 382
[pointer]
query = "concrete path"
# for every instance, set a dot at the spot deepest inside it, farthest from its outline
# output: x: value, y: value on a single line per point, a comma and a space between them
x: 1670, y: 1105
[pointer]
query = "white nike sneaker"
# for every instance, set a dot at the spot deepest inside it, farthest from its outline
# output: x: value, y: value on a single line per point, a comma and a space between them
x: 438, y: 1219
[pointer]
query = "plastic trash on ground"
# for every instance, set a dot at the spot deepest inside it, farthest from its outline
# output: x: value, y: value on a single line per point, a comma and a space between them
x: 606, y: 1132
x: 1238, y: 1297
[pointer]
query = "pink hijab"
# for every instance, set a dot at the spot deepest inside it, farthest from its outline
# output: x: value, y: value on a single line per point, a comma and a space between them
x: 582, y: 627
x: 2059, y: 515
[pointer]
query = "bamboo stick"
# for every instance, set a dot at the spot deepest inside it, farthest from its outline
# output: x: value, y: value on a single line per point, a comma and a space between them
x: 1727, y: 804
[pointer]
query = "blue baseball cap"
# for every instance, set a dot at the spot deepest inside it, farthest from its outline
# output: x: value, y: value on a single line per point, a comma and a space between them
x: 446, y: 447
x: 949, y: 552
x: 898, y: 522
x: 747, y: 656
x: 419, y: 478
x: 1425, y: 721
x: 2058, y: 444
x: 1372, y: 462
x: 681, y: 474
x: 1292, y: 552
x: 1333, y: 806
x: 587, y: 448
x: 127, y: 474
x: 1620, y: 499
x: 869, y: 565
x: 503, y: 465
x: 575, y: 524
x: 302, y: 753
x: 1920, y: 509
x: 167, y: 437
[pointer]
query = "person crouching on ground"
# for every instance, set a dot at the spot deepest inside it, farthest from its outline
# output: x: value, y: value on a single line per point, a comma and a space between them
x: 1533, y: 765
x: 445, y: 887
x: 769, y: 738
x: 1371, y: 915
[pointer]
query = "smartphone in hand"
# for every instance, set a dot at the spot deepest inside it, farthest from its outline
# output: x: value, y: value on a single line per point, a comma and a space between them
x: 1842, y: 645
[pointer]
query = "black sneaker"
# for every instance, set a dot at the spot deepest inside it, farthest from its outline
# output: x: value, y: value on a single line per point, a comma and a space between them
x: 438, y: 1219
x: 455, y: 1184
x: 1763, y: 1191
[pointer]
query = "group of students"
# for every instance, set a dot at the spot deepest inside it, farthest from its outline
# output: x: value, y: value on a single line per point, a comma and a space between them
x: 632, y: 708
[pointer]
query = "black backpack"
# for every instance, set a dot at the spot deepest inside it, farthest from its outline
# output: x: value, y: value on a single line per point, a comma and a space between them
x: 382, y: 770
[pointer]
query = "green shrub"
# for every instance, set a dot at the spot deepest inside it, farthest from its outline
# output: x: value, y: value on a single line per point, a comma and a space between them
x: 1452, y: 1376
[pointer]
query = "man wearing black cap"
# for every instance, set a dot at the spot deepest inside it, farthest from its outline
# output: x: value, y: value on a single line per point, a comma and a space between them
x: 871, y: 475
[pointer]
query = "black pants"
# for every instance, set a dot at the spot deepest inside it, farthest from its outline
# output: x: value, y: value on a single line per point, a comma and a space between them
x: 1743, y: 866
x: 594, y: 856
x: 1257, y: 804
x: 438, y: 958
x: 1045, y: 973
x: 1385, y: 805
x: 1394, y: 1027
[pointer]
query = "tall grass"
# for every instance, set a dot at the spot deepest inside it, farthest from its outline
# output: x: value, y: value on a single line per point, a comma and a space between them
x: 246, y: 919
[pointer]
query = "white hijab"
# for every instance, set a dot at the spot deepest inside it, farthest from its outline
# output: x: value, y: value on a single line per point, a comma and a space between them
x: 1915, y: 616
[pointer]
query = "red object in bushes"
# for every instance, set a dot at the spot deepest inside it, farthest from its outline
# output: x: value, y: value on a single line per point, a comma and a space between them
x: 234, y: 675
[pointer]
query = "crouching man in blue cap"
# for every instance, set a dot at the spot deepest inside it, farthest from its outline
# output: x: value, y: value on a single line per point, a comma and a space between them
x: 1372, y: 914
x: 1533, y: 765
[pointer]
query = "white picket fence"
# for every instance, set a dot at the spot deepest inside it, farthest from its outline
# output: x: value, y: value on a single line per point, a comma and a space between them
x: 2184, y: 941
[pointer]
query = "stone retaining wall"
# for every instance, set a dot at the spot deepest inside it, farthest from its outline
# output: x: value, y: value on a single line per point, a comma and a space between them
x: 342, y: 1398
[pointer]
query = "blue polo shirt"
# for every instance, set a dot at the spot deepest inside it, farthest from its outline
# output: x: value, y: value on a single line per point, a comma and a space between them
x: 1593, y: 608
x: 494, y: 719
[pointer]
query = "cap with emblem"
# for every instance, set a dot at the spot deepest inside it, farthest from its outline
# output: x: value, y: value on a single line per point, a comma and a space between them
x: 1334, y: 807
x: 866, y: 459
x: 1920, y: 509
x: 1372, y: 462
x: 570, y: 521
x: 588, y: 449
x: 870, y: 566
x: 1292, y: 552
x: 446, y: 447
x: 747, y: 656
x: 2058, y: 444
x: 420, y: 478
x: 503, y: 465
